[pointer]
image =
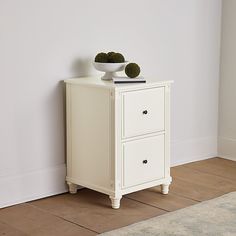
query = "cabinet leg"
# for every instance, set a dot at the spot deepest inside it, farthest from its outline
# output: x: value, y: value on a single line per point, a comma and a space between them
x: 115, y: 202
x: 165, y: 188
x: 72, y: 187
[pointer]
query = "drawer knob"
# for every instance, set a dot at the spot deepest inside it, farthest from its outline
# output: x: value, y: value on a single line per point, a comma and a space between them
x: 145, y: 112
x: 145, y: 161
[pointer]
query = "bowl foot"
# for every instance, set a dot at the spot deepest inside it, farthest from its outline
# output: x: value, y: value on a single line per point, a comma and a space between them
x: 108, y: 75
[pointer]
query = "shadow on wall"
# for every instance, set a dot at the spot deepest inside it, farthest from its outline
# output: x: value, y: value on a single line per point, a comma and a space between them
x: 81, y: 67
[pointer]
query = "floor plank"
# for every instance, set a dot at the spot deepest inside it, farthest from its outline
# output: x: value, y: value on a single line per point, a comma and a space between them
x: 194, y: 191
x: 93, y: 210
x: 154, y: 197
x: 28, y: 220
x: 7, y: 230
x: 216, y: 166
x: 202, y: 178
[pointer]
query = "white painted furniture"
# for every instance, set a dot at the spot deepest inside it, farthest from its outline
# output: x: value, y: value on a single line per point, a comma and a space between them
x: 118, y: 136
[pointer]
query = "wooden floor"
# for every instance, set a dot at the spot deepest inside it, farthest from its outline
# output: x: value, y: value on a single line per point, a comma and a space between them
x: 89, y: 212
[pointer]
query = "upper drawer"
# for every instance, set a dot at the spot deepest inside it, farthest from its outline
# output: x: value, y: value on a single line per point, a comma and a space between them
x: 143, y: 112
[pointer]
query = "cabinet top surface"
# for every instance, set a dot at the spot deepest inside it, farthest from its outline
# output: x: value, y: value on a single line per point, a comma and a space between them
x: 96, y: 81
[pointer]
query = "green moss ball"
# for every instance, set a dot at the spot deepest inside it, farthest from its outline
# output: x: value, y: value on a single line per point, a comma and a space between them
x: 132, y: 70
x: 101, y: 57
x: 117, y: 58
x: 109, y: 54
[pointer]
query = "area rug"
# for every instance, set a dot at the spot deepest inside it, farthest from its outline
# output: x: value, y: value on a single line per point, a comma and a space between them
x: 216, y: 217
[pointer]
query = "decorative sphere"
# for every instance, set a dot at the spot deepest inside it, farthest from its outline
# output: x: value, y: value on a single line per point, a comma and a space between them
x: 109, y: 55
x: 101, y: 57
x: 116, y: 58
x: 132, y: 70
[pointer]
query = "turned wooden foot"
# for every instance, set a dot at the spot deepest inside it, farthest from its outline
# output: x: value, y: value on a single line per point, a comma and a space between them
x: 165, y: 188
x: 115, y: 202
x: 72, y: 187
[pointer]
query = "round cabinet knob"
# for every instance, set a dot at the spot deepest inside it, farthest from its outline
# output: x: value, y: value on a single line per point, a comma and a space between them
x: 145, y: 161
x: 145, y: 112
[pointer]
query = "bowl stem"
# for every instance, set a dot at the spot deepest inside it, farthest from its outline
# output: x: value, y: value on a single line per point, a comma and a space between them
x: 108, y: 75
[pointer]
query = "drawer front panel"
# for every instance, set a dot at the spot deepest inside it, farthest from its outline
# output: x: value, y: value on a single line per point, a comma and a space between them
x: 143, y: 161
x: 143, y: 112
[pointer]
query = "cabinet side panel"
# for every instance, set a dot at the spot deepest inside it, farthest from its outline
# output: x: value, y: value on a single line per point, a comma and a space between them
x: 90, y: 136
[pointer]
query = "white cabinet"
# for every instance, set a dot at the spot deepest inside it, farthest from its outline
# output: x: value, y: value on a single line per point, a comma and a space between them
x: 118, y: 136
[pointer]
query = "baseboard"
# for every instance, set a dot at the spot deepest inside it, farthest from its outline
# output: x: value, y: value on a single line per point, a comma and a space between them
x: 227, y: 148
x: 32, y: 185
x: 193, y: 159
x: 186, y: 151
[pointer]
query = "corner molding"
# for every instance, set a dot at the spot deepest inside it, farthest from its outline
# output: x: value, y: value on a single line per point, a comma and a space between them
x: 227, y: 148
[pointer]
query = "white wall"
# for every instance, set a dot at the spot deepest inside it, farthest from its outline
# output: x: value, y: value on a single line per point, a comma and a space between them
x: 227, y: 109
x: 44, y: 42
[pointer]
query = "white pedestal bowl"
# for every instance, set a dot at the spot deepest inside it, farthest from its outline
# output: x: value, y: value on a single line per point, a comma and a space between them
x: 110, y: 69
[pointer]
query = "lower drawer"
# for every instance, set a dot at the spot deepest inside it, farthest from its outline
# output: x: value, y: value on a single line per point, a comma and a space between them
x: 143, y: 161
